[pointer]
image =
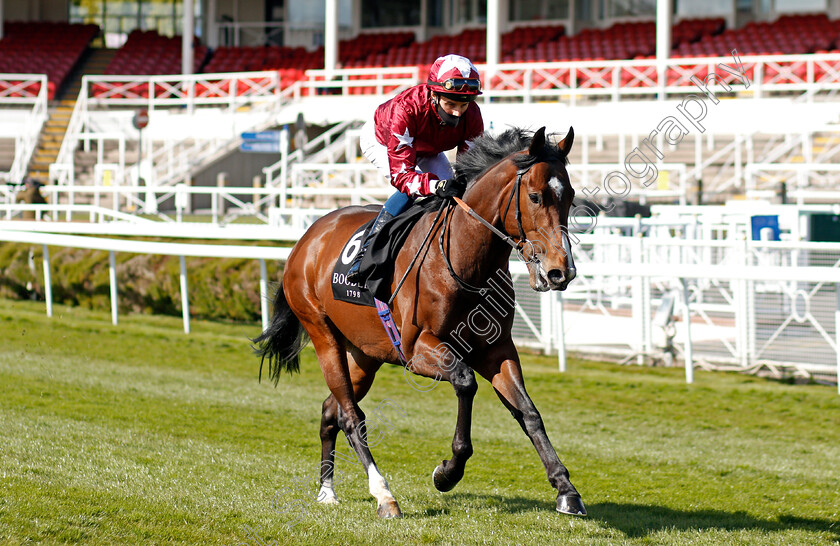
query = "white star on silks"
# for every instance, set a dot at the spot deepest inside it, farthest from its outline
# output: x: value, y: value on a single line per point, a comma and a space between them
x: 405, y: 139
x: 402, y: 170
x: 414, y: 185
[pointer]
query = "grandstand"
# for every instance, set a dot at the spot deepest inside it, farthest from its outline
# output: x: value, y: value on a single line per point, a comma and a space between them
x: 92, y: 91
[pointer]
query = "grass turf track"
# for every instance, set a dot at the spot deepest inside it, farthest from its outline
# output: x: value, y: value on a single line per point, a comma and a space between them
x: 139, y: 434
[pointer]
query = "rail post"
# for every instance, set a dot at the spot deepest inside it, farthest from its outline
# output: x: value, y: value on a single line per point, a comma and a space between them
x: 47, y: 281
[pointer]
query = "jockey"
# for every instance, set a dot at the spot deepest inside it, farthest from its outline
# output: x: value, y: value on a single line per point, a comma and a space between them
x: 410, y: 132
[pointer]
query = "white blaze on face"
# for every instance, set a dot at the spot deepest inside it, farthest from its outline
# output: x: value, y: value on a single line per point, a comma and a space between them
x: 556, y: 185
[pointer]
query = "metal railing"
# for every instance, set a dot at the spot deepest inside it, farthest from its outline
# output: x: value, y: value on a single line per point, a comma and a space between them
x: 112, y: 246
x: 571, y: 81
x: 24, y: 90
x: 736, y: 305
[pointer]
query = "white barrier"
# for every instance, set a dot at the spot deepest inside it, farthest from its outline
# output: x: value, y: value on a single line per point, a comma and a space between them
x: 144, y: 247
x: 764, y: 289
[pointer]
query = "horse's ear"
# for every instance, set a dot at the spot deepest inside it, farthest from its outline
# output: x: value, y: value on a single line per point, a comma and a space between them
x: 566, y: 144
x: 538, y: 142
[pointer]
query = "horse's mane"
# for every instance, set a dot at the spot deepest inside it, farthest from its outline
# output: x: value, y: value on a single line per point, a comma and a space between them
x: 487, y: 150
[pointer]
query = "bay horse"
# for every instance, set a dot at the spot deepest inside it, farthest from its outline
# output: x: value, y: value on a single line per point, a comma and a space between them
x: 518, y: 186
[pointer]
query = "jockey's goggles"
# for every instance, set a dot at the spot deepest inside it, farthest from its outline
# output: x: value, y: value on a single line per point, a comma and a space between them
x: 460, y: 85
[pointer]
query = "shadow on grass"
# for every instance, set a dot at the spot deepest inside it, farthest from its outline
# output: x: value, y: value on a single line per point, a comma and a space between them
x: 638, y: 520
x: 508, y: 504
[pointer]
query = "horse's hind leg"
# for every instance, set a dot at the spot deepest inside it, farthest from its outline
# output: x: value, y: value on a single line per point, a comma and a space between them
x: 362, y: 378
x: 329, y: 432
x: 334, y: 367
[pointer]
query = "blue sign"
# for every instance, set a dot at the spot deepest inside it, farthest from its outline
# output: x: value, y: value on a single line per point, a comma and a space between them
x: 765, y: 222
x: 260, y: 146
x: 262, y: 136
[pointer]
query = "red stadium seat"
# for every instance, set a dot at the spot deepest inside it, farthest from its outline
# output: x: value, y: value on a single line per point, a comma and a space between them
x: 44, y: 48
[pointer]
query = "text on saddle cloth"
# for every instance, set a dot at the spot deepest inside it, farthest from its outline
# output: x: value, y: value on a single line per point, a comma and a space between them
x: 344, y: 290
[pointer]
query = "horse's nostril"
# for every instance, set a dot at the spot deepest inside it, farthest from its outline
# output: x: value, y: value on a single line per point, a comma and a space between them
x: 556, y: 276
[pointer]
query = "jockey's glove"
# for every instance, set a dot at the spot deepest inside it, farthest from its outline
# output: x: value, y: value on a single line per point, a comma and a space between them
x: 449, y: 188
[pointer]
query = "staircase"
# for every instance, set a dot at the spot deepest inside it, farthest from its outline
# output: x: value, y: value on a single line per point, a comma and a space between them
x: 94, y: 62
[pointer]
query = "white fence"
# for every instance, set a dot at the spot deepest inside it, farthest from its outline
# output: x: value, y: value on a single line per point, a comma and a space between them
x: 744, y: 305
x: 753, y: 304
x: 143, y: 247
x: 571, y: 81
x: 28, y: 90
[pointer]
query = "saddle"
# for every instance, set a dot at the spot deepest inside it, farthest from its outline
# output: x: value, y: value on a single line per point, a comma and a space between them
x: 377, y: 265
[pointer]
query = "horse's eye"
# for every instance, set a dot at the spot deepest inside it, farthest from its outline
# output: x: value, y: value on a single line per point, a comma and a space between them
x: 535, y: 198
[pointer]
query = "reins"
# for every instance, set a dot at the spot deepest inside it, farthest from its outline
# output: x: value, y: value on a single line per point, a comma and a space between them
x: 443, y: 205
x: 449, y: 207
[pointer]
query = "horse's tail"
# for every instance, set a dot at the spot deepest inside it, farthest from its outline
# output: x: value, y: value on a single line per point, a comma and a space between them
x: 282, y: 341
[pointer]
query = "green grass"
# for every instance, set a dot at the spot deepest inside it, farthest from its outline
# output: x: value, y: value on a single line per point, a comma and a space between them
x: 139, y: 434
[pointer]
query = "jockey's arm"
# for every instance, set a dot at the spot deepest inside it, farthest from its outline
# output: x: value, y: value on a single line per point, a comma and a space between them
x: 402, y: 157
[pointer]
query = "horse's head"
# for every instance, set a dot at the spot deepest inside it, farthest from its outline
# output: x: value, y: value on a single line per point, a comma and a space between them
x: 537, y: 210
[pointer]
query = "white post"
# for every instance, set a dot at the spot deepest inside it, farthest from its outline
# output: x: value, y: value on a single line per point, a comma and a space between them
x: 331, y: 38
x: 188, y: 37
x: 493, y: 40
x: 263, y: 295
x: 47, y: 276
x: 284, y: 166
x: 663, y: 41
x: 546, y: 320
x: 1, y: 19
x: 424, y: 20
x: 561, y: 334
x: 689, y: 356
x: 112, y: 275
x: 210, y: 24
x: 638, y: 302
x: 837, y: 334
x: 185, y: 298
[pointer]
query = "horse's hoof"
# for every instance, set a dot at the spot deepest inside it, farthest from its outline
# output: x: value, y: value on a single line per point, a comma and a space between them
x: 442, y: 483
x: 389, y: 509
x: 571, y: 505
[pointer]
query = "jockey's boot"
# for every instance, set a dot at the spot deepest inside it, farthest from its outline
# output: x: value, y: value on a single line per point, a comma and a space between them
x: 383, y: 218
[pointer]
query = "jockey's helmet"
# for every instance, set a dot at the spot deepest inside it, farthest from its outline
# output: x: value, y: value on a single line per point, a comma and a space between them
x: 455, y: 77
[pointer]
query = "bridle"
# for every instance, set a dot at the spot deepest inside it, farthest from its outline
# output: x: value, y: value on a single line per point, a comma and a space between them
x: 446, y: 209
x: 517, y: 244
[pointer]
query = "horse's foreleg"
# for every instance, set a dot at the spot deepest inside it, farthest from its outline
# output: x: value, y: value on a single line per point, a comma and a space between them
x: 433, y: 360
x: 505, y: 374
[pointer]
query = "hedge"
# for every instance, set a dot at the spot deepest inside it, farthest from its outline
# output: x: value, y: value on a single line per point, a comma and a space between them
x: 227, y: 289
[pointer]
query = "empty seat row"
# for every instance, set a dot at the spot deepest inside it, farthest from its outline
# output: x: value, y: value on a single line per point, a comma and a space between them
x: 47, y: 48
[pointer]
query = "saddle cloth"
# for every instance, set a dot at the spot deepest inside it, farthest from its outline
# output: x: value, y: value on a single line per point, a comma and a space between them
x: 344, y: 290
x: 377, y: 265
